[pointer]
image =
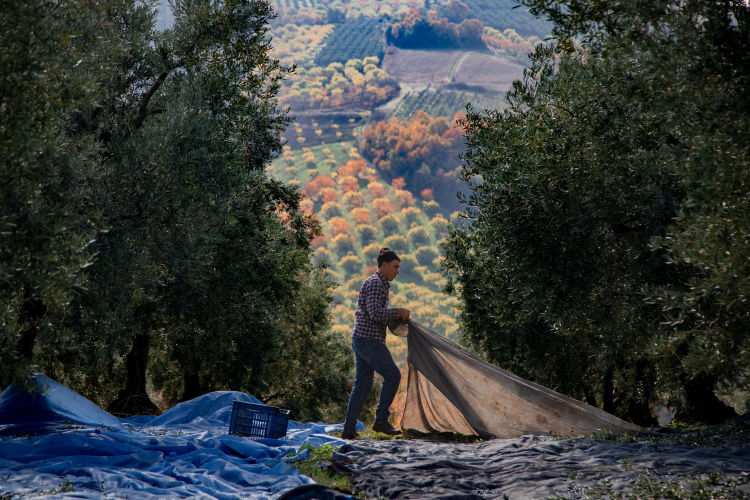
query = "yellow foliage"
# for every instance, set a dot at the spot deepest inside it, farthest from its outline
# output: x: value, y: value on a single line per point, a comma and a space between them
x: 329, y: 209
x: 294, y: 44
x: 291, y: 170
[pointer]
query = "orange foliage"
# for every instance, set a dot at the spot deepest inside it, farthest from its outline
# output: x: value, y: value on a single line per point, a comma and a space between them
x: 383, y: 206
x: 313, y: 188
x: 339, y: 225
x: 319, y: 241
x: 362, y: 218
x: 398, y: 183
x: 306, y: 206
x: 404, y: 198
x: 354, y: 199
x: 352, y: 167
x: 422, y: 150
x: 349, y: 183
x: 427, y: 194
x: 370, y: 270
x: 376, y: 189
x: 329, y: 194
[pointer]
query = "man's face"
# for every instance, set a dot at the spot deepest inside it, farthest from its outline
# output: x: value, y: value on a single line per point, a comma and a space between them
x: 390, y: 269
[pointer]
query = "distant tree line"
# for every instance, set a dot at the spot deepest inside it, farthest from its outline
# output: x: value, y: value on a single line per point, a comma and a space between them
x: 142, y: 246
x: 604, y: 249
x: 418, y: 29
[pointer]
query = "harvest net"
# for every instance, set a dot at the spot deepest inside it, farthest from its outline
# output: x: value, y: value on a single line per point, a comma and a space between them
x: 451, y: 390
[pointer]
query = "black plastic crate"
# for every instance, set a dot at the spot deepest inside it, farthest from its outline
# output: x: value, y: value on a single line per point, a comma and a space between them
x: 254, y: 420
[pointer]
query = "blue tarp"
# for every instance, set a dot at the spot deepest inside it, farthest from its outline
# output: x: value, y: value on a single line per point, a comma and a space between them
x: 60, y: 444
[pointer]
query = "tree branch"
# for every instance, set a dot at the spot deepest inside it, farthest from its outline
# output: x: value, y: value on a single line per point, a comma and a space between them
x: 143, y: 112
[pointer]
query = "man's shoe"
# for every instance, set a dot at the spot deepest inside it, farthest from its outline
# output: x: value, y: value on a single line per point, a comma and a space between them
x: 347, y: 434
x: 385, y: 428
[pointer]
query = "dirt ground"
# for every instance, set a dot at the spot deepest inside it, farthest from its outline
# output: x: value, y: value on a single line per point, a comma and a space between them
x: 490, y: 71
x: 420, y: 67
x: 453, y: 69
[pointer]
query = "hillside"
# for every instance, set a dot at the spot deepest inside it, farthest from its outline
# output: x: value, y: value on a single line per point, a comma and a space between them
x: 375, y: 148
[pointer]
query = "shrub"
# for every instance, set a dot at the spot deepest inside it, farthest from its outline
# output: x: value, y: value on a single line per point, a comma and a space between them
x: 404, y: 198
x: 425, y: 255
x: 313, y: 188
x: 398, y: 183
x: 354, y: 199
x: 341, y: 329
x: 397, y: 243
x: 291, y: 170
x: 443, y: 322
x: 322, y: 253
x: 312, y: 172
x: 349, y: 183
x: 435, y: 279
x: 319, y: 241
x: 383, y: 206
x: 351, y: 264
x: 339, y: 225
x: 361, y: 215
x: 354, y: 283
x: 411, y: 213
x: 352, y: 167
x: 343, y: 243
x: 367, y: 231
x: 390, y: 223
x: 330, y: 209
x: 329, y: 194
x: 431, y: 207
x: 306, y: 206
x: 418, y: 236
x: 409, y: 265
x: 377, y: 190
x: 440, y: 224
x: 370, y: 252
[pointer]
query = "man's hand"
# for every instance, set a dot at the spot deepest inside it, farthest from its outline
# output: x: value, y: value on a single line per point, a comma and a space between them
x: 404, y: 313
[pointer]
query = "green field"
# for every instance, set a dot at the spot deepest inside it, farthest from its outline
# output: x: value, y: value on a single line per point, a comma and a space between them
x: 444, y: 102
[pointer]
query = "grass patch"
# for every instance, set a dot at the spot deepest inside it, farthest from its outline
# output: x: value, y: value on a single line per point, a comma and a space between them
x: 309, y: 467
x: 711, y: 486
x: 446, y: 437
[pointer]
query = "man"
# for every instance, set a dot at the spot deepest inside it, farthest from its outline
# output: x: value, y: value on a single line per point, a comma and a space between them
x: 368, y: 342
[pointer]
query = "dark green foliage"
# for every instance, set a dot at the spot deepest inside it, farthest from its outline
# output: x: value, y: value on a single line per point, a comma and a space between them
x: 695, y: 60
x: 423, y: 30
x: 156, y: 166
x: 575, y: 182
x: 310, y: 370
x: 47, y: 76
x: 354, y: 39
x: 501, y: 15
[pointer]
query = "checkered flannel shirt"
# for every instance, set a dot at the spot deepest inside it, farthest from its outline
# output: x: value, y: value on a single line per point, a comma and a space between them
x: 371, y: 318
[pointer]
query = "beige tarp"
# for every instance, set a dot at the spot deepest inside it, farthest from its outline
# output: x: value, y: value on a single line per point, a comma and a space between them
x: 451, y: 390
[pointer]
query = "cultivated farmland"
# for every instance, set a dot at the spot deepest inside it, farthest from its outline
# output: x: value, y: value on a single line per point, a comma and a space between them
x: 355, y: 39
x: 501, y: 15
x: 441, y: 102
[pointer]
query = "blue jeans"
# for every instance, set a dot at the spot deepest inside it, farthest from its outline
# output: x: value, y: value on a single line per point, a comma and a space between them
x: 372, y: 356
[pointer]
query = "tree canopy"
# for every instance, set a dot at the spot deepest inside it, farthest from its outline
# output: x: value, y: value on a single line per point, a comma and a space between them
x: 607, y: 233
x: 193, y: 256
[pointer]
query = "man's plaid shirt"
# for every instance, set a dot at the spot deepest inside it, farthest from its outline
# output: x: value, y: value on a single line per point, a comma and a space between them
x: 371, y: 318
